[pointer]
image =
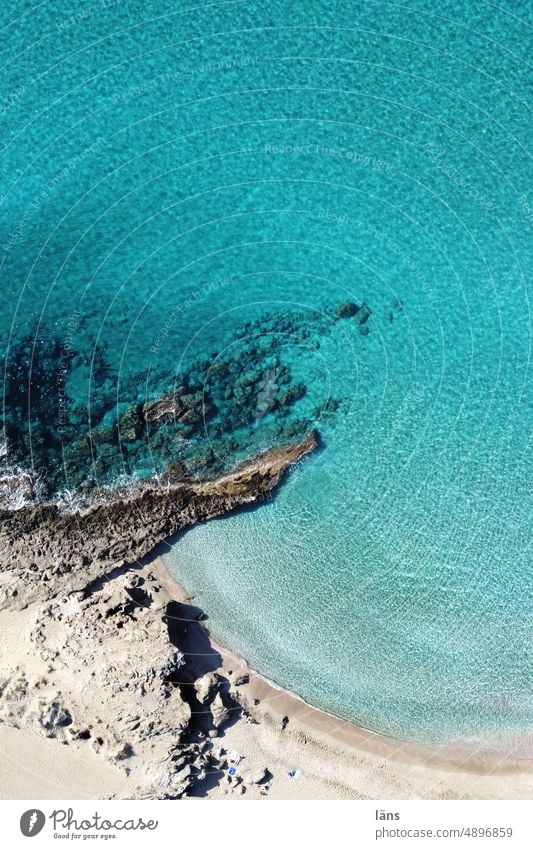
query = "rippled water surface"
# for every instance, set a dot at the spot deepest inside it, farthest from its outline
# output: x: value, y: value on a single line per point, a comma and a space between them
x: 189, y: 192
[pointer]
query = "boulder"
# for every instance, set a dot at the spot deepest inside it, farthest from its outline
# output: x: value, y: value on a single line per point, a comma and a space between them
x: 54, y: 716
x: 205, y: 686
x: 219, y: 711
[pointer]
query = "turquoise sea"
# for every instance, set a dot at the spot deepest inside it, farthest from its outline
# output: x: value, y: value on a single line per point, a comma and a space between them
x: 189, y: 192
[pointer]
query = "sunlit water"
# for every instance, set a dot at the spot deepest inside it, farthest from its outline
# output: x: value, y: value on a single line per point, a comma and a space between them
x: 171, y: 171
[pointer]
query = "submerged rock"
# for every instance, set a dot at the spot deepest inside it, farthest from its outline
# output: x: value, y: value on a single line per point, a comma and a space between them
x: 347, y: 310
x: 173, y: 473
x: 363, y: 314
x: 293, y: 394
x: 168, y: 407
x: 241, y: 391
x: 131, y: 423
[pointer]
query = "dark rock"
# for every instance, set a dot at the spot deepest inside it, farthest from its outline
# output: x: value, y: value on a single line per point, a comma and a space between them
x: 54, y: 716
x: 292, y: 394
x: 131, y: 423
x: 347, y: 310
x: 363, y: 314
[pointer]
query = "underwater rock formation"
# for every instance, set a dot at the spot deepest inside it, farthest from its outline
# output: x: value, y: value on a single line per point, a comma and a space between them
x: 363, y: 314
x: 347, y: 310
x: 80, y: 424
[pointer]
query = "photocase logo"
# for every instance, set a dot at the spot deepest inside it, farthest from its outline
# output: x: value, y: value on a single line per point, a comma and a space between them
x: 32, y: 822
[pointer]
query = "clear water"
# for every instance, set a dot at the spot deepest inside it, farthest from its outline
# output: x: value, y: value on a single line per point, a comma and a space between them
x: 173, y: 171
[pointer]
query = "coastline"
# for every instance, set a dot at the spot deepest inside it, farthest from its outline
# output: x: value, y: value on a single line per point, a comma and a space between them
x: 118, y: 692
x: 458, y: 771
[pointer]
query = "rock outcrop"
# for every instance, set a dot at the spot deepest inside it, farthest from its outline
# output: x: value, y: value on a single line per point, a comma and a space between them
x: 107, y: 660
x: 205, y: 687
x: 96, y: 669
x: 46, y: 548
x: 219, y: 711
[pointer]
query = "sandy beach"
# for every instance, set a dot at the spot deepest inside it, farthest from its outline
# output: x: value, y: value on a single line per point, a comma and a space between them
x: 97, y: 661
x: 338, y: 760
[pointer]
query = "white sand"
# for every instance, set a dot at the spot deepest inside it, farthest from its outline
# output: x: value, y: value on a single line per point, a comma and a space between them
x: 34, y: 767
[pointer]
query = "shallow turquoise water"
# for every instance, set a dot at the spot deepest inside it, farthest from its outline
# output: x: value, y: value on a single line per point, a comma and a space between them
x: 172, y: 171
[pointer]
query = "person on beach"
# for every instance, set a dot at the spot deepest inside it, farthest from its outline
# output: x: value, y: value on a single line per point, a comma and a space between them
x: 284, y: 723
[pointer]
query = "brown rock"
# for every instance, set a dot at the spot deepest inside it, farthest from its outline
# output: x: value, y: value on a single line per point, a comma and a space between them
x: 118, y: 528
x: 167, y: 407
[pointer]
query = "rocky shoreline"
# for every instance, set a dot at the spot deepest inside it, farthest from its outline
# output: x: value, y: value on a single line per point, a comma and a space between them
x: 108, y: 662
x: 80, y: 421
x: 46, y: 549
